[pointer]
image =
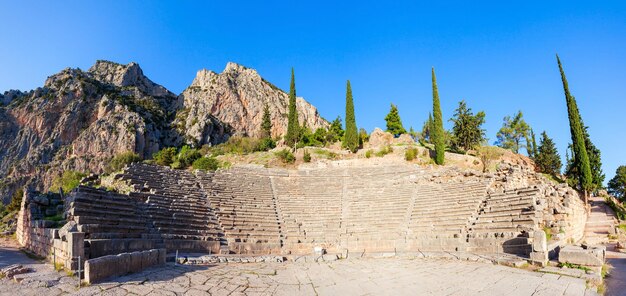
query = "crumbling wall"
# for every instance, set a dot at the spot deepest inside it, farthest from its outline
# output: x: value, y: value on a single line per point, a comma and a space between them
x: 62, y: 246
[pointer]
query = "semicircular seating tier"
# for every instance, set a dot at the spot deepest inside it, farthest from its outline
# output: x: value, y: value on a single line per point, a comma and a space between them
x: 254, y: 210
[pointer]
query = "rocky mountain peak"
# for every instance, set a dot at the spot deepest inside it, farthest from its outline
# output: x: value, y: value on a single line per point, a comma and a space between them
x: 117, y: 74
x: 237, y: 97
x: 129, y: 75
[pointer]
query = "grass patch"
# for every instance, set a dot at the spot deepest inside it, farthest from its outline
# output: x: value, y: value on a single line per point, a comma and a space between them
x: 325, y: 153
x: 574, y: 266
x: 617, y: 208
x: 548, y: 232
x: 384, y: 151
x: 553, y: 179
x: 31, y: 255
x: 622, y: 227
x: 55, y: 218
x: 606, y: 269
x: 286, y: 156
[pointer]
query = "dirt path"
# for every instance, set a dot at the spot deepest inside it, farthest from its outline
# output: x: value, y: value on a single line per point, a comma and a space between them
x: 10, y: 254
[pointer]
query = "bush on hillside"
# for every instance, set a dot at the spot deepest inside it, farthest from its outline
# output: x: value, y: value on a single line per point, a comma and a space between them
x: 410, y: 154
x: 205, y: 164
x: 384, y: 151
x: 165, y: 157
x: 307, y: 156
x: 187, y: 156
x: 68, y: 181
x: 266, y: 144
x: 286, y: 156
x: 121, y: 160
x: 368, y: 153
x: 16, y: 201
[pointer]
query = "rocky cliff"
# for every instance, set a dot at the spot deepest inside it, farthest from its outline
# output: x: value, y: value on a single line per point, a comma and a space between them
x: 237, y: 97
x: 80, y: 119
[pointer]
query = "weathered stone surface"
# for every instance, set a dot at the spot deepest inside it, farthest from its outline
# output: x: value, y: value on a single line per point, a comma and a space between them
x: 540, y: 243
x: 237, y: 97
x: 380, y: 138
x: 578, y: 255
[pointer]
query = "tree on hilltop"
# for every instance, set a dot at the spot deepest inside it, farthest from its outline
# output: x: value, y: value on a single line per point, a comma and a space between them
x: 467, y: 132
x: 617, y: 185
x: 513, y: 131
x: 547, y: 158
x: 427, y: 128
x: 580, y: 156
x: 595, y: 163
x: 351, y: 138
x: 531, y: 147
x: 266, y: 124
x: 437, y: 133
x: 335, y: 132
x: 292, y: 124
x: 394, y: 123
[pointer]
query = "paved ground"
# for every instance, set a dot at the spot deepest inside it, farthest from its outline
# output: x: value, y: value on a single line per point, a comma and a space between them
x: 391, y: 276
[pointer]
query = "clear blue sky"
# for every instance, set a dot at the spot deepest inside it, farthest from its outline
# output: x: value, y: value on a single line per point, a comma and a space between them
x: 499, y: 58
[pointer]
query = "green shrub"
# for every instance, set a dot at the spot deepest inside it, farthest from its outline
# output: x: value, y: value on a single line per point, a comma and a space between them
x: 187, y: 156
x: 177, y: 165
x: 384, y: 151
x: 16, y: 202
x: 617, y: 208
x: 410, y: 154
x: 286, y: 156
x: 205, y: 164
x: 237, y: 145
x: 307, y: 156
x: 266, y: 144
x: 121, y: 160
x: 68, y: 181
x: 368, y: 153
x: 165, y: 157
x: 325, y: 153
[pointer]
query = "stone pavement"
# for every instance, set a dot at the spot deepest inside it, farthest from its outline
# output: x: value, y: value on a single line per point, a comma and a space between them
x: 388, y: 276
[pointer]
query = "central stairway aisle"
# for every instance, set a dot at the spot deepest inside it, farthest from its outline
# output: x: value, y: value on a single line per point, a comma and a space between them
x: 601, y: 222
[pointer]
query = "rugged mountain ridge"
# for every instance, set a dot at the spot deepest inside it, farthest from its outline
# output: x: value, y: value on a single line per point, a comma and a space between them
x: 80, y: 119
x: 237, y: 97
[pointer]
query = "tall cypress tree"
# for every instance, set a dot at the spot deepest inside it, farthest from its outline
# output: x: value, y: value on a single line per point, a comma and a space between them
x: 266, y: 124
x: 292, y: 125
x: 351, y: 139
x: 581, y: 159
x: 437, y: 134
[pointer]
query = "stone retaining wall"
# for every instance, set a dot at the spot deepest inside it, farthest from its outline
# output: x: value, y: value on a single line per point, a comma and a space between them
x: 117, y: 265
x: 39, y: 237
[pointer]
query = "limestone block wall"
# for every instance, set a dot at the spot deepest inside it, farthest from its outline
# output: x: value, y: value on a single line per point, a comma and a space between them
x: 37, y: 235
x: 121, y: 264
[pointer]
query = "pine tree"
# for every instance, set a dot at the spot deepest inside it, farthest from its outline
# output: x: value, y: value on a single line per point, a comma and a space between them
x: 351, y: 139
x: 266, y: 124
x: 394, y: 123
x: 531, y: 147
x: 548, y: 159
x: 581, y: 159
x: 437, y: 133
x: 427, y: 128
x: 512, y: 132
x: 335, y: 132
x: 292, y: 124
x: 617, y: 185
x: 466, y: 132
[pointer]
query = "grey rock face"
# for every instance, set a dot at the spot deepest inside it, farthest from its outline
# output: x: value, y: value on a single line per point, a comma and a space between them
x: 237, y: 97
x: 79, y: 120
